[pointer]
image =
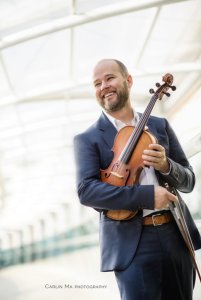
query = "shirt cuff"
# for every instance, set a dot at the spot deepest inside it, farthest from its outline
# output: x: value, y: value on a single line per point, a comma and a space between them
x: 167, y: 173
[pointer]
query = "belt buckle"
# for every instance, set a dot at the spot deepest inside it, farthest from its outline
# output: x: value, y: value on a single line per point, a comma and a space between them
x: 153, y: 216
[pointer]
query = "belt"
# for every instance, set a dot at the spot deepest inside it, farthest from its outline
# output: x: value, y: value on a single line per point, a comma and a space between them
x: 158, y: 219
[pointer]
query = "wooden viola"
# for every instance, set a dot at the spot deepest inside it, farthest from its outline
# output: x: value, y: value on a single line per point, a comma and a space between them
x: 129, y: 144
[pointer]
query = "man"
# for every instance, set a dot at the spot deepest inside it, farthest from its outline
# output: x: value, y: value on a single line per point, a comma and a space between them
x: 150, y: 262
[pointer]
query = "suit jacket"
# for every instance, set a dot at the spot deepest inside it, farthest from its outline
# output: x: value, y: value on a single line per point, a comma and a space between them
x: 119, y: 239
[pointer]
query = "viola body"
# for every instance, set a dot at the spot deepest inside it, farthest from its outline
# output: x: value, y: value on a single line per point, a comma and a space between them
x: 126, y: 174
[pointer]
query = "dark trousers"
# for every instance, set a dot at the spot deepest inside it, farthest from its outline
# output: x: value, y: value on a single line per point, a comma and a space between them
x: 161, y: 269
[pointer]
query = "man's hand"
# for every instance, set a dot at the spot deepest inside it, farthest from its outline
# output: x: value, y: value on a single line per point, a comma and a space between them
x: 162, y: 197
x: 155, y: 156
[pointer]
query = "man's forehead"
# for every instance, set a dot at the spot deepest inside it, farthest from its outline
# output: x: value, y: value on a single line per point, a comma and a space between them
x: 104, y: 68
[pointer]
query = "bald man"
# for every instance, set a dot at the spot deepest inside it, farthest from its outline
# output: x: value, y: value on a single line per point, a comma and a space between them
x: 147, y: 253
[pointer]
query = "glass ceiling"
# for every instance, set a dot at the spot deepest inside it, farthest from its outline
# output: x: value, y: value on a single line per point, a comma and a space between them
x: 47, y: 51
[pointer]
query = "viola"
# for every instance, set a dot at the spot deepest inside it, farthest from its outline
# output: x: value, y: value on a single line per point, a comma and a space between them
x: 129, y: 144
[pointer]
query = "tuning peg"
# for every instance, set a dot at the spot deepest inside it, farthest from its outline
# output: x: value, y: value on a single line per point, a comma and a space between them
x: 158, y: 84
x: 151, y: 91
x: 167, y: 94
x: 173, y: 87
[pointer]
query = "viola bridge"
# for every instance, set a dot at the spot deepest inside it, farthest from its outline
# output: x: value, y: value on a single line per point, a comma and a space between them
x: 117, y: 175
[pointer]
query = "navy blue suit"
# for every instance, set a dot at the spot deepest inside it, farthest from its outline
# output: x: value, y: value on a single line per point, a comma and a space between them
x: 119, y: 239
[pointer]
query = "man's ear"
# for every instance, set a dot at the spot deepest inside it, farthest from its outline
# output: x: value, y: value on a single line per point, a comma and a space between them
x: 130, y: 81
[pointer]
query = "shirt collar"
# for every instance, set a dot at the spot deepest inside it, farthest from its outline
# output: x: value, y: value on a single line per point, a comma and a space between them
x: 119, y: 124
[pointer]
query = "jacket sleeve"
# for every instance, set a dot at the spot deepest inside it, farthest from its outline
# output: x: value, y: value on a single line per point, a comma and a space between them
x: 102, y: 196
x: 181, y: 175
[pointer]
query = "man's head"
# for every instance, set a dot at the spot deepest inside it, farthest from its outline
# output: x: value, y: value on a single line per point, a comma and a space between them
x: 112, y: 83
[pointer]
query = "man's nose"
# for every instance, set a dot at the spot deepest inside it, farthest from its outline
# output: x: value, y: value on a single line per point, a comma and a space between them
x: 104, y: 85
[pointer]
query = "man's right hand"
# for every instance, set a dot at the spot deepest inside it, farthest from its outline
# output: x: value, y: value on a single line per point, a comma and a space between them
x: 162, y: 197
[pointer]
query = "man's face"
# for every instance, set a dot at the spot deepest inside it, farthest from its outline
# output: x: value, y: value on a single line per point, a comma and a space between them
x: 112, y: 88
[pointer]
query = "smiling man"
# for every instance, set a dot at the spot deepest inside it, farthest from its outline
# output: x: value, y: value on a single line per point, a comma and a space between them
x: 146, y: 252
x: 111, y: 92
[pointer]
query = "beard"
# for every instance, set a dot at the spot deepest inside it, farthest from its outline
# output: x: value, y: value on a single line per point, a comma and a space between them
x: 122, y: 97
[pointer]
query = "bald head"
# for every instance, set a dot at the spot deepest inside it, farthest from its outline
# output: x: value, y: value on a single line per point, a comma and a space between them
x: 114, y: 63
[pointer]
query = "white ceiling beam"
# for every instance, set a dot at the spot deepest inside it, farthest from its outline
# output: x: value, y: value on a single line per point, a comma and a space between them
x: 174, y: 68
x: 6, y: 74
x: 193, y: 146
x: 77, y: 20
x: 148, y: 36
x: 84, y: 90
x: 184, y: 93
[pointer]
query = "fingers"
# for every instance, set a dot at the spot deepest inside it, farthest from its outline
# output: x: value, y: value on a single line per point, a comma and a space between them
x: 172, y: 197
x: 155, y: 156
x: 162, y: 197
x: 156, y: 147
x: 155, y: 150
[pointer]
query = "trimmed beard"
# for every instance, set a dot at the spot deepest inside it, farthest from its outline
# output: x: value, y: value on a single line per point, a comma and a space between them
x: 122, y: 98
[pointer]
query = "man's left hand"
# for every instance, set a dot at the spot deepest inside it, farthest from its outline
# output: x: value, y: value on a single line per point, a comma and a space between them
x: 156, y: 157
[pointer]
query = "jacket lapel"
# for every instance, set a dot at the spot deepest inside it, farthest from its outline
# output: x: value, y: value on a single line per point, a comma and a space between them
x: 108, y: 130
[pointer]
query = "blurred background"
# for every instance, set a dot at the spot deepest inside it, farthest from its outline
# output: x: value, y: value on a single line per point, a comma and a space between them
x: 48, y: 48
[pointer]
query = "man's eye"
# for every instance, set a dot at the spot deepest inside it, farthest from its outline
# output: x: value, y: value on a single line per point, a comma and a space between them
x: 97, y: 84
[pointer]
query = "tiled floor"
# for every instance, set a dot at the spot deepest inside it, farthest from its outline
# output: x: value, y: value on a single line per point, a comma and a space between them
x: 69, y: 277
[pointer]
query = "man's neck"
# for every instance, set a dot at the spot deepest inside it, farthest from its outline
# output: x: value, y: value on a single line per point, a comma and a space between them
x: 125, y: 114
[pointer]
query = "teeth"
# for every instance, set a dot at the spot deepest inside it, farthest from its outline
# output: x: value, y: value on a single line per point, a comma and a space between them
x: 107, y: 95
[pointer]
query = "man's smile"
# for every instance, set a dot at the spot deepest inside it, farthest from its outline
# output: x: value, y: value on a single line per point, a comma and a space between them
x: 108, y: 95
